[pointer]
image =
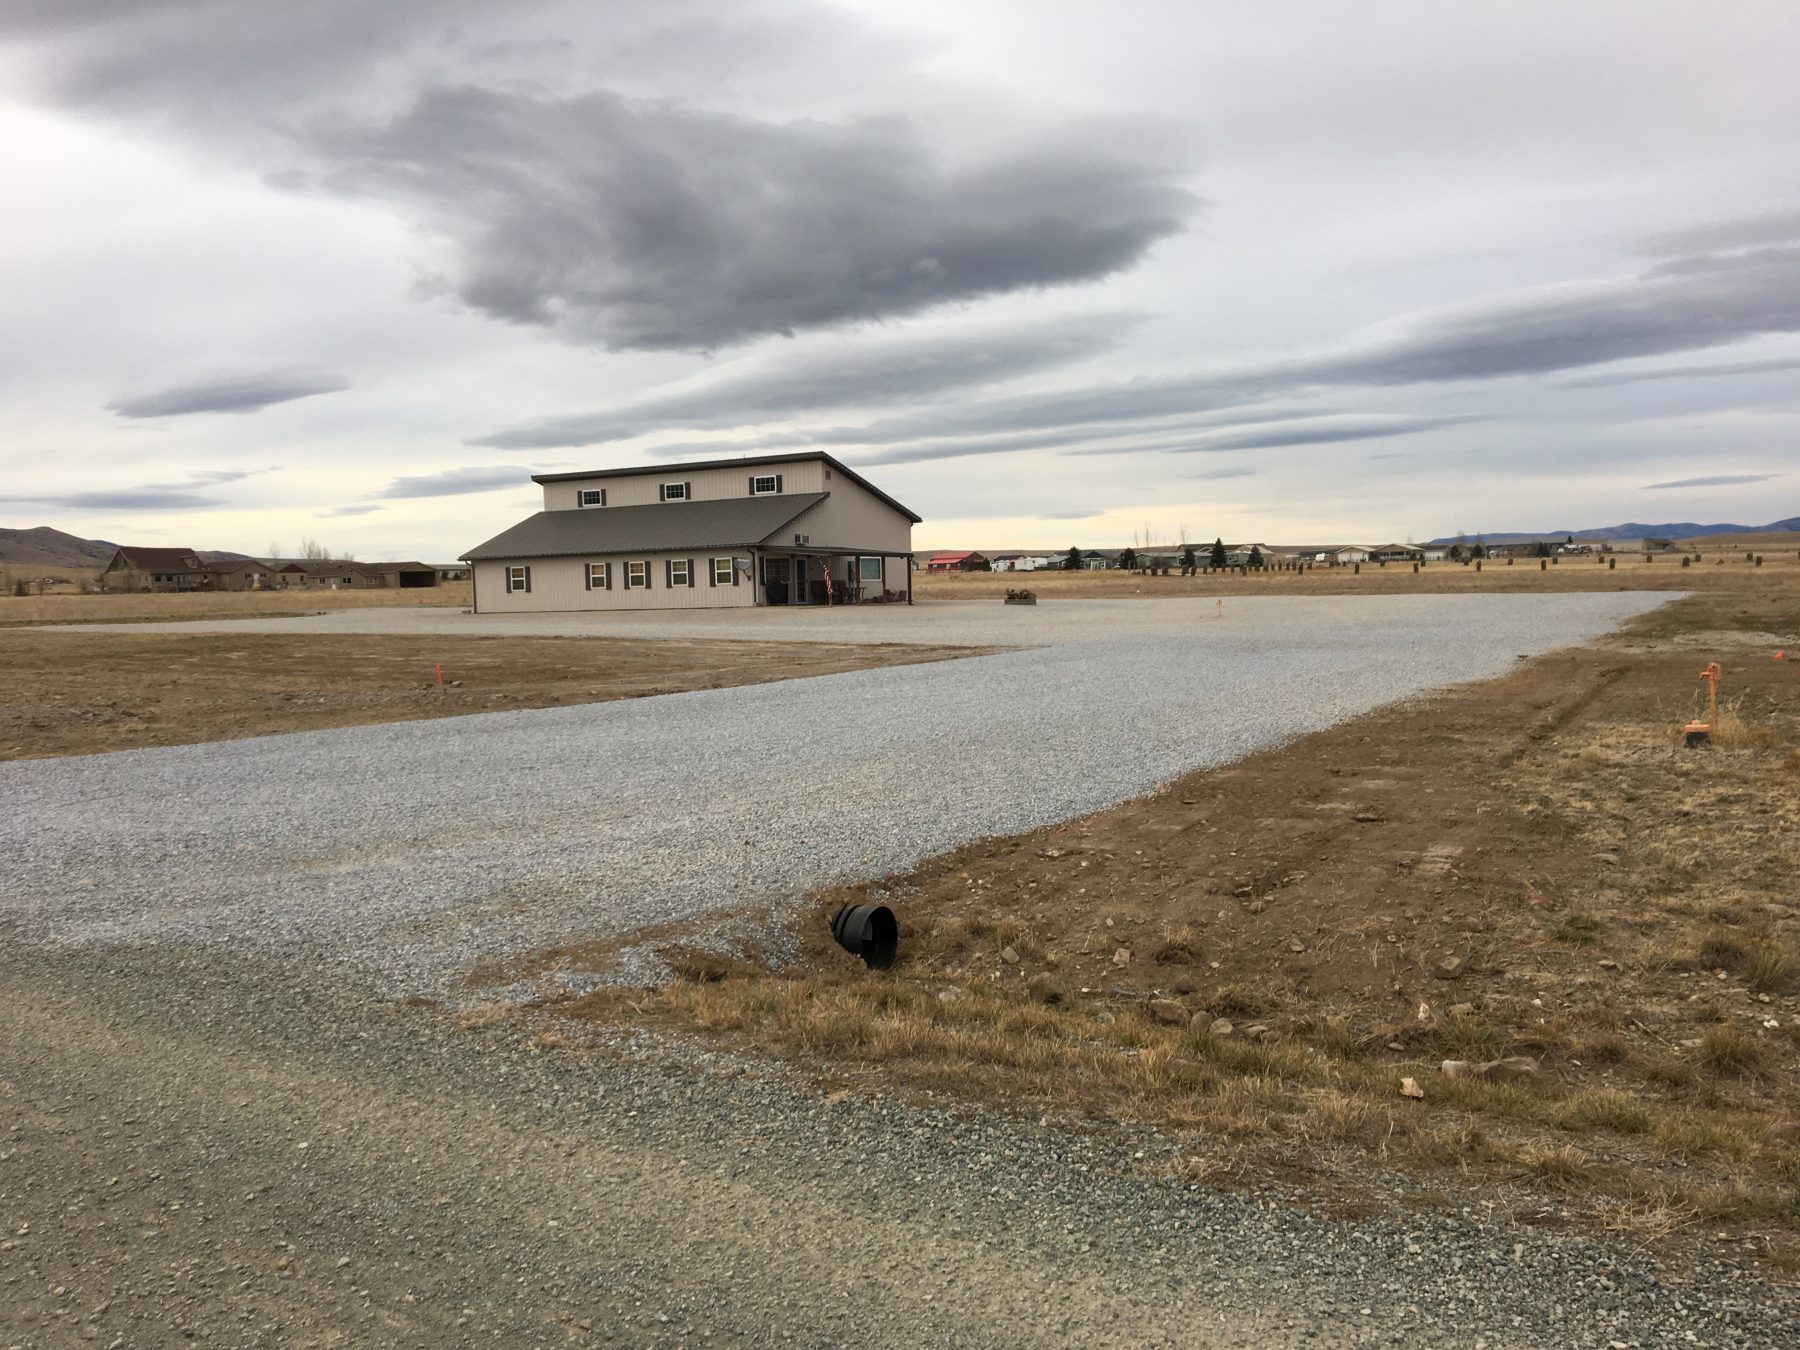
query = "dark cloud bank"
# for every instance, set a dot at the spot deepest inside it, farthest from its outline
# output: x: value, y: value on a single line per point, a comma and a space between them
x: 622, y: 222
x: 1689, y: 303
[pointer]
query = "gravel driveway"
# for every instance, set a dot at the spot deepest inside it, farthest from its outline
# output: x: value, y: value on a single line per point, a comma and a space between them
x: 209, y: 1135
x: 403, y: 851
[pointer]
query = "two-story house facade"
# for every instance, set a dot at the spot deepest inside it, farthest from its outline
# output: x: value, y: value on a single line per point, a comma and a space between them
x: 798, y: 529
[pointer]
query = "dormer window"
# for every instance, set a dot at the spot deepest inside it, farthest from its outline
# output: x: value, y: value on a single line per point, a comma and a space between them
x: 765, y: 483
x: 593, y: 497
x: 675, y: 492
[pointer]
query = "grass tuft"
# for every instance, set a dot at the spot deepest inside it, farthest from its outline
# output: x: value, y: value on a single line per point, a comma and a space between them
x: 1728, y: 1049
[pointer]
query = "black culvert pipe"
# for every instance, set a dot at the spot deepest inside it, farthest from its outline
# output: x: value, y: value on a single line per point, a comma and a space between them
x: 868, y: 931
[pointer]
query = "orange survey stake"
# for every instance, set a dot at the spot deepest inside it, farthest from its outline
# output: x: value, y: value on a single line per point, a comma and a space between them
x: 1697, y: 733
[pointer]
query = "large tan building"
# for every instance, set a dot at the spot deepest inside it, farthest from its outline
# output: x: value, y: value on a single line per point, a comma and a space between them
x: 771, y: 530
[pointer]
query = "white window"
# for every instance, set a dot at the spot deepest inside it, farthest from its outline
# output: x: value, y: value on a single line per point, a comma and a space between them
x: 637, y: 575
x: 869, y: 569
x: 764, y: 482
x: 722, y: 572
x: 599, y: 576
x: 674, y: 492
x: 518, y: 579
x: 680, y: 572
x: 593, y: 496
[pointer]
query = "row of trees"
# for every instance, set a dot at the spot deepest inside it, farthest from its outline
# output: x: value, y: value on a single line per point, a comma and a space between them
x: 312, y: 551
x: 1190, y: 557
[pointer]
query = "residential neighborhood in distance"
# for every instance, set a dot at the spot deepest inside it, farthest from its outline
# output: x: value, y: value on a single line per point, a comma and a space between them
x: 184, y: 569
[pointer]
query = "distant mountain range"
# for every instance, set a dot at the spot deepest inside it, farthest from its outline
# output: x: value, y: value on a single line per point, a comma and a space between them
x: 45, y: 547
x: 1681, y: 529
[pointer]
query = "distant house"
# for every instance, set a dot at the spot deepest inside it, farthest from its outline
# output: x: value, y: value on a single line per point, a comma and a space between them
x: 955, y: 562
x: 451, y: 571
x: 1396, y: 553
x: 155, y: 569
x: 347, y: 575
x: 240, y: 574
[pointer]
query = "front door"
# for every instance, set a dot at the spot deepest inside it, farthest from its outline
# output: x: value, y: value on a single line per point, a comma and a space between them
x: 802, y: 578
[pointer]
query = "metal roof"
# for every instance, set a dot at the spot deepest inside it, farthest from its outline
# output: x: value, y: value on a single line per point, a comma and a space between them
x: 729, y: 522
x: 751, y: 461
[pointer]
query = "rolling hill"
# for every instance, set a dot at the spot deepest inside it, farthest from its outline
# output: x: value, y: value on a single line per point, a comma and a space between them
x: 45, y: 547
x: 1685, y: 529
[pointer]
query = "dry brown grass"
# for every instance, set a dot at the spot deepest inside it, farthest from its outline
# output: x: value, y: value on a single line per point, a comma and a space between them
x: 72, y: 608
x: 1722, y: 573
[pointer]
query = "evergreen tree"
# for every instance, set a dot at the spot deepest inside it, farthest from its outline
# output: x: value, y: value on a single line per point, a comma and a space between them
x: 1072, y: 563
x: 1256, y: 558
x: 1218, y: 553
x: 1187, y: 557
x: 1128, y: 559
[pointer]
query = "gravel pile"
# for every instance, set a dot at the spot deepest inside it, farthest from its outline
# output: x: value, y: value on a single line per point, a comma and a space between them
x: 401, y: 852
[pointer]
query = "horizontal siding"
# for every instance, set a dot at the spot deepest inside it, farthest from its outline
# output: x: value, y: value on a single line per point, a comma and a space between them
x: 851, y: 518
x: 559, y: 584
x: 645, y: 489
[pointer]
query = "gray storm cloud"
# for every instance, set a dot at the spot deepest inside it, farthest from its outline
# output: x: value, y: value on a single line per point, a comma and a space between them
x: 640, y: 225
x: 1684, y: 304
x: 228, y: 394
x: 617, y: 221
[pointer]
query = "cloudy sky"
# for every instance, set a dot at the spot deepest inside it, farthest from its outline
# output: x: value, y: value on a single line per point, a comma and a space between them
x: 1052, y: 273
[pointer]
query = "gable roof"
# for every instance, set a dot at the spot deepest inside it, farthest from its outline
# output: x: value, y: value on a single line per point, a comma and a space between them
x: 727, y: 522
x: 747, y: 461
x: 952, y: 557
x: 161, y: 559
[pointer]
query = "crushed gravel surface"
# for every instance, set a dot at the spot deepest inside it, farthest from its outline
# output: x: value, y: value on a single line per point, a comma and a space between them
x: 406, y: 851
x: 219, y: 1126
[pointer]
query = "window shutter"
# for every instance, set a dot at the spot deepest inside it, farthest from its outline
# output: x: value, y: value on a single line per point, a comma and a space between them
x: 752, y: 485
x: 606, y: 577
x: 528, y: 581
x: 668, y: 571
x: 587, y: 573
x: 687, y: 492
x: 778, y: 482
x: 712, y: 571
x: 646, y: 574
x: 690, y: 563
x: 734, y: 571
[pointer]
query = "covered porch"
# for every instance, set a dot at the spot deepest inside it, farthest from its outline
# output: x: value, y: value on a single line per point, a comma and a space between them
x: 802, y: 575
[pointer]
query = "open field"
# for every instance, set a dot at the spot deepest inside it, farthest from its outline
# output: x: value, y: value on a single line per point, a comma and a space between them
x: 1724, y: 571
x: 1525, y: 867
x: 67, y: 693
x: 68, y: 580
x: 190, y: 605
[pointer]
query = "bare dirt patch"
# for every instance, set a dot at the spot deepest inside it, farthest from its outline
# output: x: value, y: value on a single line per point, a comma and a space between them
x: 82, y: 693
x: 63, y: 607
x: 1530, y: 868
